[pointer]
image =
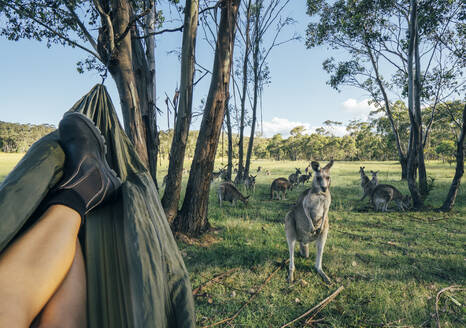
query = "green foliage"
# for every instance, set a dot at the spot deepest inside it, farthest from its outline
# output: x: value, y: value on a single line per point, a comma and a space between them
x: 17, y: 138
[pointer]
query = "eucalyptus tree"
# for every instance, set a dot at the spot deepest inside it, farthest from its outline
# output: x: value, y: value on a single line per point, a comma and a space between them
x: 393, y: 38
x: 192, y: 218
x: 171, y: 195
x: 117, y: 35
x: 269, y: 23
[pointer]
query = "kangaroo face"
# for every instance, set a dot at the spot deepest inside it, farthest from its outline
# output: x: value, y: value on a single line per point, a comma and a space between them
x: 374, y: 174
x: 322, y: 179
x: 361, y: 171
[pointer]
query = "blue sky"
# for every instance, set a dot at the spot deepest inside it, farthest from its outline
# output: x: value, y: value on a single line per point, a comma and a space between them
x: 39, y: 84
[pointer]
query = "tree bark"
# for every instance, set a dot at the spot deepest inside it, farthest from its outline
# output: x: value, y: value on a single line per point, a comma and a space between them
x: 455, y: 184
x: 192, y: 218
x: 121, y: 69
x: 421, y: 166
x: 171, y: 196
x: 230, y: 141
x: 255, y: 59
x: 144, y: 70
x: 240, y: 176
x: 414, y: 133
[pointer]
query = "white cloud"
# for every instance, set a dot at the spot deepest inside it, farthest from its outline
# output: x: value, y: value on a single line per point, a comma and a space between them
x: 360, y: 109
x: 283, y: 126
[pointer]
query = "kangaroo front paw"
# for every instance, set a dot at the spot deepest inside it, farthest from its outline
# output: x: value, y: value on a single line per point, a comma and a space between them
x: 290, y: 276
x: 324, y: 276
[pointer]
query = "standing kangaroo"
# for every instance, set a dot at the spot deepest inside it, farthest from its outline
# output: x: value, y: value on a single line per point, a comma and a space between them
x: 280, y: 185
x: 250, y: 183
x: 308, y: 219
x: 366, y: 184
x: 383, y: 194
x: 293, y: 178
x: 227, y: 192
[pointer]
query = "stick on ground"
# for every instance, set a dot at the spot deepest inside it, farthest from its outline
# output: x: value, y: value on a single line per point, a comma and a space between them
x: 454, y: 287
x: 316, y: 308
x: 214, y: 279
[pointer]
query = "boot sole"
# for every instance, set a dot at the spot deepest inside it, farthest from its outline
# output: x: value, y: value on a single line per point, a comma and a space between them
x: 100, y: 139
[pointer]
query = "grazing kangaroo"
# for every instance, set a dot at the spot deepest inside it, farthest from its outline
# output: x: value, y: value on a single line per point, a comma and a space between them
x: 384, y: 193
x: 250, y: 183
x: 293, y: 178
x: 308, y: 219
x: 366, y: 184
x: 304, y: 178
x: 227, y: 192
x: 280, y: 185
x: 259, y: 168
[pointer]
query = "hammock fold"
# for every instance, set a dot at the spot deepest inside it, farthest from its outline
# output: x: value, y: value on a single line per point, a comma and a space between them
x: 136, y: 276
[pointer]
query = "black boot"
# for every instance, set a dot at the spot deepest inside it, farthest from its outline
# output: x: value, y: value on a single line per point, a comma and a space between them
x: 87, y: 179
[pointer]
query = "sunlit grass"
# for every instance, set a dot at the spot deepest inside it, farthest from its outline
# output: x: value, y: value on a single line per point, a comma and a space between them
x: 392, y: 265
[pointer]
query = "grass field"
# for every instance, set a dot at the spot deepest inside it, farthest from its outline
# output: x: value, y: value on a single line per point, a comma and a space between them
x: 392, y: 265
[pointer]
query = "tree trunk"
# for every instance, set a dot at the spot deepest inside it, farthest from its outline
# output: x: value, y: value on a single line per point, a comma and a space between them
x: 240, y: 176
x: 455, y: 184
x: 192, y: 219
x: 230, y: 141
x: 255, y: 55
x: 121, y: 69
x: 414, y: 133
x: 150, y: 119
x: 421, y: 166
x: 171, y: 195
x: 144, y: 70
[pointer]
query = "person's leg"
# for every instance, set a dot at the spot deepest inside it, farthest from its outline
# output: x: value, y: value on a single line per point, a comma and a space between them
x: 34, y: 265
x: 67, y: 307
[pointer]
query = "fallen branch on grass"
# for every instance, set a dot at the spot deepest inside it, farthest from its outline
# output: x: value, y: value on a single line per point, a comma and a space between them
x: 233, y: 317
x: 316, y: 308
x: 437, y: 298
x: 216, y: 278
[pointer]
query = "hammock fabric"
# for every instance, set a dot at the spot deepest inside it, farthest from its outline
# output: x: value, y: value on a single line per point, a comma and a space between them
x: 136, y: 276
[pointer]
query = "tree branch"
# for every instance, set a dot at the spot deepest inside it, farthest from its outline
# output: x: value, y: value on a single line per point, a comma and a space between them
x: 82, y: 26
x: 44, y: 25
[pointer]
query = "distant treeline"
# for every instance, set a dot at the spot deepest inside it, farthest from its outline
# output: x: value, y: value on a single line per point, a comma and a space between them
x: 17, y: 138
x: 364, y: 140
x: 371, y: 140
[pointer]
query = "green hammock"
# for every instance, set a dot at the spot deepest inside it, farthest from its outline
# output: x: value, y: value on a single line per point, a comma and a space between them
x: 135, y: 273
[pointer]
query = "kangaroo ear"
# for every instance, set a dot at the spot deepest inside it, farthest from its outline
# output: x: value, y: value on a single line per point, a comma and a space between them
x: 329, y: 165
x: 315, y: 166
x: 372, y: 172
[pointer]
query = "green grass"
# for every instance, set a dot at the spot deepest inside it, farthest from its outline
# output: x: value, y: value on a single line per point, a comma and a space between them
x: 392, y: 265
x: 8, y: 162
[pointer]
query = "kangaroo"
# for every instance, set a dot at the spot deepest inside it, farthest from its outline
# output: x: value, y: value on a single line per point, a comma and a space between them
x: 304, y: 178
x: 293, y: 178
x: 267, y: 172
x: 259, y: 168
x: 375, y: 178
x: 366, y: 184
x: 250, y: 183
x: 308, y: 219
x: 216, y: 175
x: 384, y: 193
x: 280, y: 185
x: 227, y: 192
